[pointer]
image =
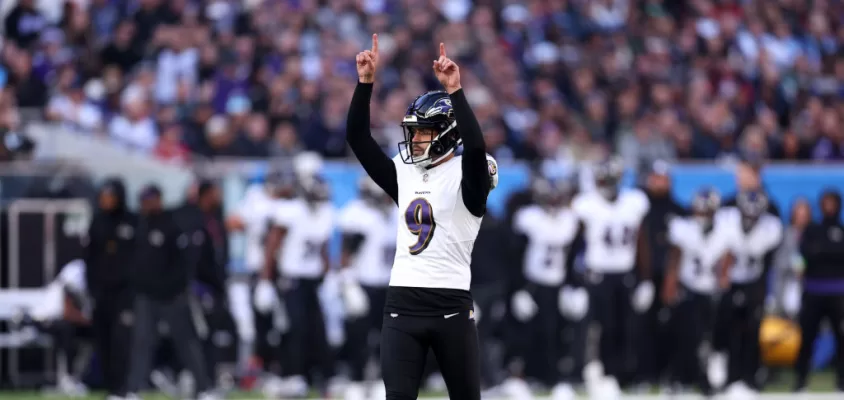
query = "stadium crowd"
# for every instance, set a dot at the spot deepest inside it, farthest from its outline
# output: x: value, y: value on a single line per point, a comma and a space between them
x: 561, y: 79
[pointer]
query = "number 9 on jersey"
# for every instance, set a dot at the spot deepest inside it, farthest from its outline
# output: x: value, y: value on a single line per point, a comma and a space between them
x: 419, y: 217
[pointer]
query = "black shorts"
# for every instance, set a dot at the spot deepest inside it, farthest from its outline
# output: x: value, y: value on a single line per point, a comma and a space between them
x: 453, y: 338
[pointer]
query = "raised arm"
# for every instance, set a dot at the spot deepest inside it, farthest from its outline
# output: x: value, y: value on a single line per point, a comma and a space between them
x: 475, y: 182
x: 379, y: 167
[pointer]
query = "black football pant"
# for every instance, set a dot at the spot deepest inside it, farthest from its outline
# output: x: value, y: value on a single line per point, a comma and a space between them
x: 692, y: 323
x: 453, y: 338
x: 737, y: 332
x: 547, y: 347
x: 306, y: 345
x: 176, y: 314
x: 490, y: 298
x: 112, y: 328
x: 359, y: 332
x: 610, y: 300
x: 268, y: 338
x: 657, y: 340
x: 815, y: 308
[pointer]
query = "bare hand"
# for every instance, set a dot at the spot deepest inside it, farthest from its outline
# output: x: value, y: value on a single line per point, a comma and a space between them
x: 367, y: 62
x: 447, y: 71
x: 724, y: 281
x: 669, y: 293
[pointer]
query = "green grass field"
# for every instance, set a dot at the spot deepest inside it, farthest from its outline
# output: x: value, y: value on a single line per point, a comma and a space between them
x: 822, y: 387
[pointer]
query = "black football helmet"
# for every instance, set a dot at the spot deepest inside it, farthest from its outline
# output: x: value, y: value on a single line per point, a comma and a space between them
x: 704, y: 205
x: 431, y: 110
x: 751, y: 205
x: 608, y: 176
x: 315, y: 190
x: 552, y: 193
x: 280, y: 183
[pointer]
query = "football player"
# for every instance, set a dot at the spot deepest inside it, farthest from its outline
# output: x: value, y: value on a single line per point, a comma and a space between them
x: 697, y: 268
x: 441, y: 199
x: 369, y: 247
x: 549, y: 228
x: 253, y: 217
x: 297, y: 252
x: 611, y: 229
x: 754, y: 235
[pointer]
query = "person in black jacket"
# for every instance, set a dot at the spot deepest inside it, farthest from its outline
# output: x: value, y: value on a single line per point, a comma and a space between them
x: 822, y: 246
x: 161, y: 273
x: 657, y: 186
x: 107, y: 251
x: 201, y: 219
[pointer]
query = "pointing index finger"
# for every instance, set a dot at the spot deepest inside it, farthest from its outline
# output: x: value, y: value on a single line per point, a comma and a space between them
x: 375, y: 43
x: 442, y: 50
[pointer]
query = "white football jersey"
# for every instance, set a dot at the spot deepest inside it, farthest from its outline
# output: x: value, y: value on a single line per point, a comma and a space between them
x: 436, y: 232
x: 256, y: 210
x: 308, y: 229
x: 611, y: 228
x: 749, y: 248
x: 374, y: 259
x: 700, y: 253
x: 549, y: 236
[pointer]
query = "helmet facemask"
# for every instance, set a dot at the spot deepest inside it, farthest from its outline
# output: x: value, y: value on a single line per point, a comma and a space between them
x: 704, y: 207
x: 752, y: 206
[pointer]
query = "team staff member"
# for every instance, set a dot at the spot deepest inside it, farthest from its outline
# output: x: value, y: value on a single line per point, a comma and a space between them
x: 201, y: 218
x: 664, y: 208
x: 160, y: 276
x: 822, y: 247
x: 108, y: 251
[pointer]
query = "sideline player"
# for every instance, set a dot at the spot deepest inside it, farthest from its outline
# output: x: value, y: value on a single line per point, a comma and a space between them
x: 441, y: 199
x: 549, y: 229
x: 297, y: 250
x: 611, y: 228
x: 697, y: 269
x: 754, y: 235
x: 253, y: 216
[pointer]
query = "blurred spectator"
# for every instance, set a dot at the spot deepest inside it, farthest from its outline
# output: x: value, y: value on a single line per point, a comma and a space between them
x: 135, y: 128
x: 74, y: 110
x: 121, y: 51
x: 24, y: 23
x: 548, y: 79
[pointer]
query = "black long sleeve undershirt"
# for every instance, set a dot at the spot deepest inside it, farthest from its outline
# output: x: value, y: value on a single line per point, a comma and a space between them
x: 475, y: 183
x: 379, y: 167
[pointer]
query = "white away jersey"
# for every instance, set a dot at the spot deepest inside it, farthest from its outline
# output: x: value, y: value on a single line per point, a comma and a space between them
x: 308, y: 229
x: 611, y: 228
x: 256, y: 210
x: 436, y: 233
x: 700, y: 253
x: 549, y: 235
x: 374, y: 259
x: 750, y: 247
